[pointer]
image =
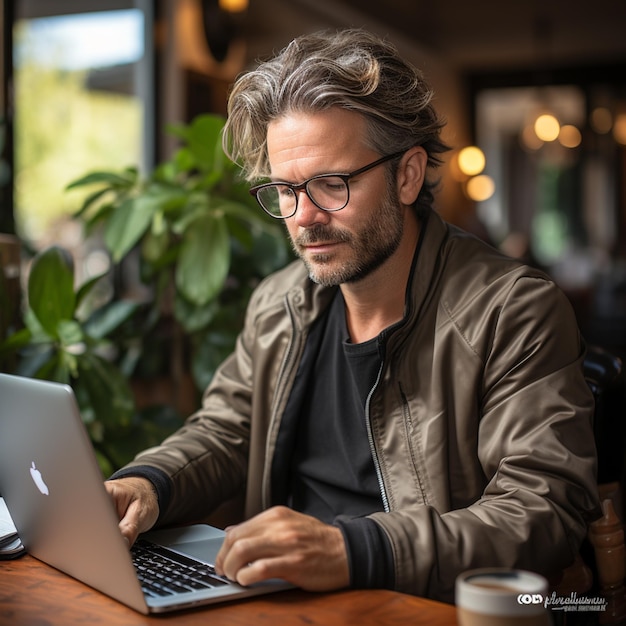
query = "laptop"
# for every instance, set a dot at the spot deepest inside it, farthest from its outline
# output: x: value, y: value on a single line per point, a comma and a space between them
x: 53, y: 488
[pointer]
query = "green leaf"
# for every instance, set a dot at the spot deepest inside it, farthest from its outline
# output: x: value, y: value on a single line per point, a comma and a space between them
x: 37, y: 331
x: 86, y: 287
x: 90, y: 199
x: 184, y: 160
x: 204, y: 139
x: 51, y: 288
x: 204, y: 259
x: 133, y: 217
x: 108, y: 318
x: 197, y: 207
x: 128, y: 222
x: 177, y: 130
x: 125, y: 179
x: 100, y: 214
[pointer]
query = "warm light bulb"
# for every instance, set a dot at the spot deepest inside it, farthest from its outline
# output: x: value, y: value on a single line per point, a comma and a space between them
x: 480, y: 188
x: 547, y: 127
x: 619, y: 129
x: 471, y: 160
x: 570, y: 136
x: 233, y: 6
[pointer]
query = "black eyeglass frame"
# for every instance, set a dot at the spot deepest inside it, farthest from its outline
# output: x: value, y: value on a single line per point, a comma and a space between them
x: 305, y: 186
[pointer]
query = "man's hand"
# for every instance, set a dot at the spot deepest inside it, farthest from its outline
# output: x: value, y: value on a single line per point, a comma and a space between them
x: 136, y: 504
x: 281, y: 543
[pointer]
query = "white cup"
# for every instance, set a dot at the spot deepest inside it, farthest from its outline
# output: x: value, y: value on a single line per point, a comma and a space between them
x: 501, y: 597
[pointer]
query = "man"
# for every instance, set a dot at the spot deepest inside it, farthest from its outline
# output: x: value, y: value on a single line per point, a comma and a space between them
x: 403, y: 403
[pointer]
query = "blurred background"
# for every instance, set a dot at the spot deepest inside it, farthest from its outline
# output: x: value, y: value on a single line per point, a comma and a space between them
x: 534, y: 93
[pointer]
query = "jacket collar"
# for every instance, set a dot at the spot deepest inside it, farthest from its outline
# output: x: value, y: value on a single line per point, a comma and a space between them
x: 427, y: 257
x: 310, y: 299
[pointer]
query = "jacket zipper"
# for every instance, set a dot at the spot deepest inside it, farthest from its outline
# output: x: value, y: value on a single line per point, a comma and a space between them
x: 370, y: 438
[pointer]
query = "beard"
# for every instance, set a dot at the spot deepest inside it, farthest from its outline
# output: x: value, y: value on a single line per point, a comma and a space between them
x: 369, y: 246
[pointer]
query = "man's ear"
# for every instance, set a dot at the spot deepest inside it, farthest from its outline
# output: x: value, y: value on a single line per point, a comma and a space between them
x: 411, y: 174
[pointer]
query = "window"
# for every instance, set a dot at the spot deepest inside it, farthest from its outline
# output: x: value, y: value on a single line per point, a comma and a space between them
x: 83, y: 100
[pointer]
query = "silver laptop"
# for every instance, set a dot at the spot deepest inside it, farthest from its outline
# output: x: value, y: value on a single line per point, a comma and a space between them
x: 53, y: 488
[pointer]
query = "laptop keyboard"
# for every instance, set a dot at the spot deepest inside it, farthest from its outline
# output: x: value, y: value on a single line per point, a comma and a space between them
x: 165, y: 573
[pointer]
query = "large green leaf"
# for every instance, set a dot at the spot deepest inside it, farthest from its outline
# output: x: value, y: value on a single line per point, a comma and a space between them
x: 129, y: 221
x: 204, y: 259
x: 126, y: 225
x: 37, y: 331
x: 204, y: 140
x: 51, y: 288
x: 132, y: 218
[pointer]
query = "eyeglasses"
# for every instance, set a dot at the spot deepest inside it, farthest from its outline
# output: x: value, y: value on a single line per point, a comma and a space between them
x: 328, y: 192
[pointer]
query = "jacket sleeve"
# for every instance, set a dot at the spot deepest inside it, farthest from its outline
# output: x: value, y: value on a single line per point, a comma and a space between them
x: 206, y: 460
x: 529, y: 427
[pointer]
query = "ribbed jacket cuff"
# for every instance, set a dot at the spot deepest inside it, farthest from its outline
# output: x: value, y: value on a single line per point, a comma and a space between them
x: 370, y: 557
x: 159, y: 479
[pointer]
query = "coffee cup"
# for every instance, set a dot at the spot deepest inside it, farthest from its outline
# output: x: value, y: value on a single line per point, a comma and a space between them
x: 501, y: 597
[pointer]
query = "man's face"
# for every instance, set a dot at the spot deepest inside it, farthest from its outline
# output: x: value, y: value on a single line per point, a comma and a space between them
x: 347, y: 245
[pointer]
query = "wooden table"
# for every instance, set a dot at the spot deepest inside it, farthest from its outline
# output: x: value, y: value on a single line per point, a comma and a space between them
x: 34, y: 594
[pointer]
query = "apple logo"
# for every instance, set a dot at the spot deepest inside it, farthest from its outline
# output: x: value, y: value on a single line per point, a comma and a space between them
x: 38, y: 480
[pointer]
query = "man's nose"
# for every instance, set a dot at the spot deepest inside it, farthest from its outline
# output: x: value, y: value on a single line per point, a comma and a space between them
x: 308, y: 212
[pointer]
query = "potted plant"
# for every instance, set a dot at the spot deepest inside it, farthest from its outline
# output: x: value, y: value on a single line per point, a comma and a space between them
x: 200, y: 244
x: 60, y: 343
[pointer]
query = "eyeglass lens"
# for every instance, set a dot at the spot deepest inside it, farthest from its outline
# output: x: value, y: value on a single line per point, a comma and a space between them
x: 327, y: 192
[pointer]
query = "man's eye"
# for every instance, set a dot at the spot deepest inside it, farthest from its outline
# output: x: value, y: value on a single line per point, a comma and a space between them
x: 331, y: 185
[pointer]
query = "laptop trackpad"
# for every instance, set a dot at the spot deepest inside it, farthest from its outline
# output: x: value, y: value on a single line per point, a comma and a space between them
x: 200, y: 541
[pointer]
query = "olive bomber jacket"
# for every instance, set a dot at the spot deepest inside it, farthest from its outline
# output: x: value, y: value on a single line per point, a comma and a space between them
x: 480, y: 422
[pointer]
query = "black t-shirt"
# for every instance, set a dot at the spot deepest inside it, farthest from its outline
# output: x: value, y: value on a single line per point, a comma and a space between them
x: 333, y: 471
x: 323, y: 461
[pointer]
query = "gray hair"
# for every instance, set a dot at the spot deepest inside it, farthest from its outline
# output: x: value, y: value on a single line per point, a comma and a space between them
x: 351, y: 69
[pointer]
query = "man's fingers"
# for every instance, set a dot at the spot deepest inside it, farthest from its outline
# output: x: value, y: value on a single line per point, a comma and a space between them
x: 136, y: 504
x: 281, y: 543
x: 262, y: 569
x: 129, y: 529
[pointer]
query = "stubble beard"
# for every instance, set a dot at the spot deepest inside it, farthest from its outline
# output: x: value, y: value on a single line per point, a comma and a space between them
x: 370, y: 247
